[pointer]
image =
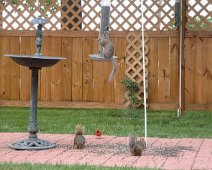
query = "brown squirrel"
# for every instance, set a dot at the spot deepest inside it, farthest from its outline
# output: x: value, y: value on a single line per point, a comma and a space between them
x: 136, y: 146
x: 107, y: 51
x: 79, y: 139
x: 107, y: 47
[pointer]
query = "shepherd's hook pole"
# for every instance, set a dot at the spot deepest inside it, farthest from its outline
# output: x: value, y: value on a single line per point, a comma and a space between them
x: 179, y: 110
x: 144, y: 74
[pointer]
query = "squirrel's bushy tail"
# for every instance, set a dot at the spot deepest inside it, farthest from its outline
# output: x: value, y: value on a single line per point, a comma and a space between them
x: 114, y: 69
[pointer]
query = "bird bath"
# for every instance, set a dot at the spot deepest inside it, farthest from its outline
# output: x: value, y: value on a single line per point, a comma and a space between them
x: 34, y: 63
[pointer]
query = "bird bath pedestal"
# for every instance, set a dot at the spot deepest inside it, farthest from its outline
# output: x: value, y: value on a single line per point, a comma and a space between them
x: 35, y: 63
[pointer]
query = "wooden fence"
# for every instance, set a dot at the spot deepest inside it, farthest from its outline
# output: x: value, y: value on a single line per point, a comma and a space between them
x: 79, y: 79
x: 72, y: 32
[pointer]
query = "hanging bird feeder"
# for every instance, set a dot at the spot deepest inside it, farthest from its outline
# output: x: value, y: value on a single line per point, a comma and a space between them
x: 104, y: 32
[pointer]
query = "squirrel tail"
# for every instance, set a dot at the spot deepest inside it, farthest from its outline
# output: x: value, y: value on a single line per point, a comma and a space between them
x: 114, y: 69
x: 79, y: 130
x: 132, y: 139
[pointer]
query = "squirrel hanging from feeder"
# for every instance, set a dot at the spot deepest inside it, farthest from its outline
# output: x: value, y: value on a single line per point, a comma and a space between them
x: 136, y: 146
x: 107, y: 51
x: 79, y: 139
x: 106, y: 45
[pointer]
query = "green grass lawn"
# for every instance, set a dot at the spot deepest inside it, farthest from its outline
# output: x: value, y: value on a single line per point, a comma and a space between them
x: 9, y: 166
x: 195, y: 124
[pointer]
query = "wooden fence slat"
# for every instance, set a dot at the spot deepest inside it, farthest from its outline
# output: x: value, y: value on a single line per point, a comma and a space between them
x: 67, y: 44
x: 45, y: 73
x: 163, y: 70
x: 77, y: 70
x: 209, y: 71
x: 56, y: 79
x: 87, y: 47
x: 153, y: 71
x: 190, y: 54
x: 199, y: 79
x: 4, y: 49
x: 120, y: 52
x: 204, y: 46
x: 98, y: 75
x: 14, y: 70
x: 174, y: 65
x: 108, y: 86
x: 25, y: 73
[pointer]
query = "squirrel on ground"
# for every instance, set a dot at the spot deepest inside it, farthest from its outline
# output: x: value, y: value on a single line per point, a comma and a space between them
x: 79, y: 139
x: 136, y: 146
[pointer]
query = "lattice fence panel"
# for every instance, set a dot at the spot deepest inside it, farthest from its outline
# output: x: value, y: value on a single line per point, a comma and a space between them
x: 85, y: 15
x: 125, y: 15
x: 91, y: 15
x: 18, y: 17
x: 158, y: 15
x: 134, y: 62
x: 71, y: 18
x: 199, y: 15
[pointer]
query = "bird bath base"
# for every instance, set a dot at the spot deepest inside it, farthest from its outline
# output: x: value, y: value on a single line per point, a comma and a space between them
x: 32, y: 144
x: 35, y: 63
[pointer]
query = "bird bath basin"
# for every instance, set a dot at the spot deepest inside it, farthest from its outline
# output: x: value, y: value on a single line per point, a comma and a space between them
x: 34, y: 62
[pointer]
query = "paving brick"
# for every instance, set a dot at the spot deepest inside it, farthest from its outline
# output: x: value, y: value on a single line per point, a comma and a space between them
x: 93, y: 140
x: 95, y: 159
x: 194, y: 143
x: 198, y: 157
x: 121, y: 140
x: 156, y: 162
x: 117, y: 163
x: 207, y: 144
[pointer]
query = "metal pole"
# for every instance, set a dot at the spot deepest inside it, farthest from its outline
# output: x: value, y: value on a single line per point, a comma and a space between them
x: 144, y: 74
x: 181, y: 106
x: 178, y: 23
x: 33, y: 125
x: 183, y: 11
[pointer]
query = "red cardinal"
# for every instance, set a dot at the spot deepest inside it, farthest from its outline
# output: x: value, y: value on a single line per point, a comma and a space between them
x: 98, y: 133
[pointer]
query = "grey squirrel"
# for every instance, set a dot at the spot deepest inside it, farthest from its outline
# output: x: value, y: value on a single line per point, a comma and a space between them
x: 136, y: 146
x: 107, y: 51
x: 79, y: 139
x: 107, y: 47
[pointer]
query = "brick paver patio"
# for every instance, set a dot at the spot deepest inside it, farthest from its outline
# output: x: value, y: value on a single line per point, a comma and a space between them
x: 161, y: 153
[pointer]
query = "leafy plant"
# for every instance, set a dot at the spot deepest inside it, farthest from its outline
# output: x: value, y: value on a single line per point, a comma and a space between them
x: 132, y: 88
x: 192, y: 24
